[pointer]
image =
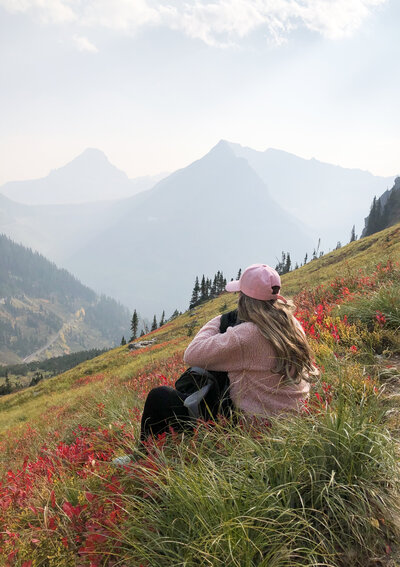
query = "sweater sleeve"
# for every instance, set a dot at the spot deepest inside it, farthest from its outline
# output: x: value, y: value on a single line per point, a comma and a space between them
x: 213, y: 350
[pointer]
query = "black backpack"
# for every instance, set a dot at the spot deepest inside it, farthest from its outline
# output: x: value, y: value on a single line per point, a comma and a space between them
x: 206, y: 391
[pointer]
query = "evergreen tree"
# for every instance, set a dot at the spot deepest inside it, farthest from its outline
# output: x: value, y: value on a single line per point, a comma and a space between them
x: 288, y: 263
x: 213, y: 291
x: 154, y: 325
x: 123, y: 341
x: 239, y: 274
x: 203, y: 289
x: 353, y: 236
x: 208, y: 288
x: 305, y: 259
x: 134, y: 325
x: 162, y: 320
x: 284, y: 265
x: 142, y: 333
x: 195, y: 294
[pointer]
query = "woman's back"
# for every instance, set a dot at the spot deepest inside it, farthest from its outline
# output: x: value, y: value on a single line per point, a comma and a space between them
x: 250, y: 359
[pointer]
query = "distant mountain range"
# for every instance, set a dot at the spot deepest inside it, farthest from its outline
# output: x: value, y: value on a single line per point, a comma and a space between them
x: 90, y: 177
x: 45, y: 311
x: 232, y: 207
x: 327, y: 198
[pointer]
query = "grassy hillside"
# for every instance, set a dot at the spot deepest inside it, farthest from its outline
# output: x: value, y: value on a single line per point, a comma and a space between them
x: 362, y: 254
x: 321, y: 488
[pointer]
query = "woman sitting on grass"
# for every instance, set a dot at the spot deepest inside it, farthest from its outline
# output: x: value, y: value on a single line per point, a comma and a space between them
x: 265, y: 353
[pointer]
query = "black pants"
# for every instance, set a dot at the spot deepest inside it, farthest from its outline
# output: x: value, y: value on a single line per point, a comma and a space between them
x: 164, y: 408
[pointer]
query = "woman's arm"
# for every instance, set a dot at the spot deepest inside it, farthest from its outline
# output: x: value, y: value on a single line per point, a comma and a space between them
x: 213, y: 350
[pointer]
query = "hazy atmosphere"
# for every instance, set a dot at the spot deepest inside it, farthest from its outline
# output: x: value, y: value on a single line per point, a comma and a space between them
x: 199, y: 283
x: 156, y: 84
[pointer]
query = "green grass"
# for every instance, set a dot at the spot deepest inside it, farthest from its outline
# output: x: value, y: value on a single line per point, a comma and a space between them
x: 306, y: 491
x: 315, y: 490
x: 385, y: 301
x: 361, y: 254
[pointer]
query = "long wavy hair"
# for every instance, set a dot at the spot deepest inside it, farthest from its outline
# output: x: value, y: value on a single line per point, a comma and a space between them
x: 294, y: 359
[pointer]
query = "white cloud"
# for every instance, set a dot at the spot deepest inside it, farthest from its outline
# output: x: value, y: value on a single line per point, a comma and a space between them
x: 215, y: 22
x: 47, y: 11
x: 83, y: 44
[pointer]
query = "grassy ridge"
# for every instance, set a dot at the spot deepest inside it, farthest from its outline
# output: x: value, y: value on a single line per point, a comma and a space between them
x: 361, y: 254
x: 317, y: 489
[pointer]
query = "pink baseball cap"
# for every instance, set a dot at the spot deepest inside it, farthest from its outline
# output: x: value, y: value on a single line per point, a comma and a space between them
x: 257, y: 282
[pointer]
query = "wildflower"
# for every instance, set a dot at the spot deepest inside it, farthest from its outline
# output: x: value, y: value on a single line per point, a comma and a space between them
x: 353, y: 348
x: 380, y: 317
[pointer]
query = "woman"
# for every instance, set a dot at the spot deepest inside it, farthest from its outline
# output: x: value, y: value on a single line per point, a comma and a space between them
x: 267, y: 356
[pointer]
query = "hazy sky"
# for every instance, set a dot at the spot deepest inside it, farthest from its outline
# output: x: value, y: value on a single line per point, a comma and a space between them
x: 156, y: 83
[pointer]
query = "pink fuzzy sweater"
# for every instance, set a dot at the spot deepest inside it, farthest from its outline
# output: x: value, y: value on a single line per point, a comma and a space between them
x: 248, y: 358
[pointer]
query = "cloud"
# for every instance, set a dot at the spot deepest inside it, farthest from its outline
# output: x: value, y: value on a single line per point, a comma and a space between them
x: 47, y: 11
x: 83, y: 44
x: 215, y: 22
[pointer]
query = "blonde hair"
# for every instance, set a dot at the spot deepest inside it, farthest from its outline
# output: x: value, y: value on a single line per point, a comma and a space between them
x: 294, y: 359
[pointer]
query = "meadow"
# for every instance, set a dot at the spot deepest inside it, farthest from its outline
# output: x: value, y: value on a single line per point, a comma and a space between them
x: 318, y: 489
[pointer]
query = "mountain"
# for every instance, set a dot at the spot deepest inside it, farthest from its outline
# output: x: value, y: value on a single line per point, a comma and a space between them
x: 329, y: 198
x: 215, y: 214
x: 87, y: 178
x: 233, y: 207
x: 385, y: 211
x: 45, y: 311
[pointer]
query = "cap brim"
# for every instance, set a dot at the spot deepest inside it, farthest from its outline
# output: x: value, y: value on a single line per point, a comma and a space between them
x: 233, y: 286
x: 281, y: 298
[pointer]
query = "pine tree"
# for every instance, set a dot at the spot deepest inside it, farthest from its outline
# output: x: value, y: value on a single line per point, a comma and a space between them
x: 284, y: 265
x: 162, y: 320
x: 213, y: 291
x: 288, y: 263
x: 134, y: 325
x: 123, y: 341
x: 353, y: 236
x: 208, y: 288
x: 239, y: 274
x: 195, y: 294
x: 154, y: 325
x: 203, y: 289
x: 305, y: 259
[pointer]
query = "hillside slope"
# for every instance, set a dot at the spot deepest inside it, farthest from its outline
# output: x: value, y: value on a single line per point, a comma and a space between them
x: 172, y: 338
x: 231, y: 494
x: 385, y: 211
x: 361, y: 254
x: 45, y: 311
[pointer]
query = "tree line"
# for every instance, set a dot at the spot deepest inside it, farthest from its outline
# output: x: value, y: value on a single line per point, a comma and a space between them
x: 384, y: 213
x: 208, y: 288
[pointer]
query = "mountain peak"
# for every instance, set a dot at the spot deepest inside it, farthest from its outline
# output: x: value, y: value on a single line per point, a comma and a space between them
x: 90, y: 160
x: 93, y: 154
x: 221, y: 150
